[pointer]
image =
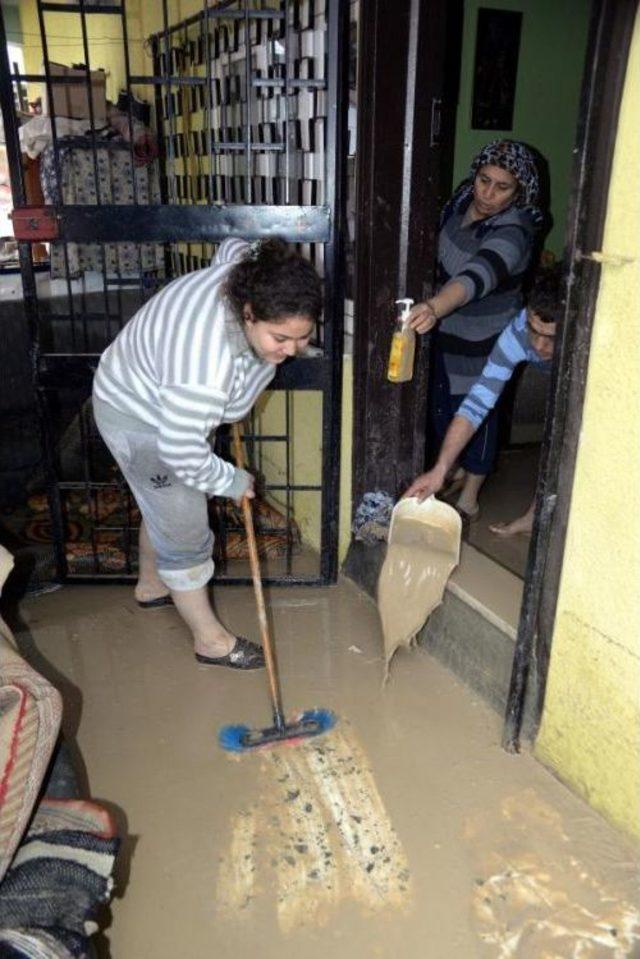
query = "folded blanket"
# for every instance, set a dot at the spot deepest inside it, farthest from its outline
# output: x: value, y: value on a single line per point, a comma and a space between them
x: 59, y: 878
x: 31, y: 944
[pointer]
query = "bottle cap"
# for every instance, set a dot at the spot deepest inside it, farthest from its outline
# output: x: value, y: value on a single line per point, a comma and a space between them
x: 407, y: 303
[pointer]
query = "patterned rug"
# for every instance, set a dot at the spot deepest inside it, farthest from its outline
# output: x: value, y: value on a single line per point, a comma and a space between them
x: 101, y: 529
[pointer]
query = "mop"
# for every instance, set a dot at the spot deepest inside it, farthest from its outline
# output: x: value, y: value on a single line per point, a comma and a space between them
x: 313, y: 722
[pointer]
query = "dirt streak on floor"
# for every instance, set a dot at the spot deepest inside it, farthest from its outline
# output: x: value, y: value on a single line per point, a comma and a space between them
x: 327, y: 833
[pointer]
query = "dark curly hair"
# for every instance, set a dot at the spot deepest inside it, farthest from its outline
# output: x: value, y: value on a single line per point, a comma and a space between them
x: 546, y: 296
x: 276, y: 281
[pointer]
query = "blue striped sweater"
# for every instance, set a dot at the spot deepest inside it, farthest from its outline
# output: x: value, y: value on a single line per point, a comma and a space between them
x: 512, y: 347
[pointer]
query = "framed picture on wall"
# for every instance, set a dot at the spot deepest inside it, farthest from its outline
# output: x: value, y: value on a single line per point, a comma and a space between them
x: 495, y: 68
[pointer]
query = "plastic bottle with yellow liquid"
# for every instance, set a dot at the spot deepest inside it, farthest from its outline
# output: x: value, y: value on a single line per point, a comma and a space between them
x: 403, y: 346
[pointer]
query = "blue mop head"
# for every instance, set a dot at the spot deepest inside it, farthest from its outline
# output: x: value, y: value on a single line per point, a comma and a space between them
x: 230, y: 738
x: 313, y: 722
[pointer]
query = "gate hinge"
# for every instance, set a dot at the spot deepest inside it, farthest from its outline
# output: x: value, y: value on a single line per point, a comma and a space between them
x: 35, y: 223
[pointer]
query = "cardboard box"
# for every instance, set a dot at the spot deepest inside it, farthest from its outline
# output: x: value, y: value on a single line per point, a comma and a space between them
x: 72, y: 99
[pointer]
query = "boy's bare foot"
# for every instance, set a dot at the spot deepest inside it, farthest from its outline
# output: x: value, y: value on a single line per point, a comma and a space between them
x: 523, y: 524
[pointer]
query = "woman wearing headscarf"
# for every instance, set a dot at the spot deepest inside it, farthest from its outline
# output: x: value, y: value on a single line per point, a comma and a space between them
x: 487, y: 234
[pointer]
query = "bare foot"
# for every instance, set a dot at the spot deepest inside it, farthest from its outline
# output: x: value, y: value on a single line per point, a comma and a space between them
x: 524, y: 524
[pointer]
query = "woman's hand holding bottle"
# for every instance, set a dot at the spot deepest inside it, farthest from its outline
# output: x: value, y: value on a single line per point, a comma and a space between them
x: 422, y: 317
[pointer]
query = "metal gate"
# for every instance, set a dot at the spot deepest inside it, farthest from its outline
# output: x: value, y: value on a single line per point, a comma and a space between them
x: 242, y: 135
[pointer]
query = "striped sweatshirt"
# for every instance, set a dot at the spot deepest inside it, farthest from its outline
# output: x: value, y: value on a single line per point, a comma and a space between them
x: 489, y: 258
x: 183, y: 366
x: 512, y: 347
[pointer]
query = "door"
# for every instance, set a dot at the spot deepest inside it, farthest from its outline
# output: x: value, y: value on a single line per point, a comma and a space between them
x: 409, y: 68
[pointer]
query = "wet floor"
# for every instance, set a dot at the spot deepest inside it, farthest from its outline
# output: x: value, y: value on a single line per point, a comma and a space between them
x: 407, y: 831
x: 506, y: 495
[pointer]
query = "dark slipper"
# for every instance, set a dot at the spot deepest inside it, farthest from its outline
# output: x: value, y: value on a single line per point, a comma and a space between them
x: 155, y: 603
x: 244, y: 655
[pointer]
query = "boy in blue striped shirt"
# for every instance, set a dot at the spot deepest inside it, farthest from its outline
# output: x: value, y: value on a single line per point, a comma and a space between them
x: 530, y: 337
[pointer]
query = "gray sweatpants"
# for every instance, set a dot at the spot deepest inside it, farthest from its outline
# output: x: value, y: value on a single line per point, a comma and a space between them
x: 175, y: 515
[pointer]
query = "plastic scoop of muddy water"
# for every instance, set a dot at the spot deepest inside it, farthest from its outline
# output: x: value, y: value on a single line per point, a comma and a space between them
x: 423, y: 549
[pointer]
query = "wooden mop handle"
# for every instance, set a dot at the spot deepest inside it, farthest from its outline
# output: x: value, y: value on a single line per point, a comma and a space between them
x: 267, y: 642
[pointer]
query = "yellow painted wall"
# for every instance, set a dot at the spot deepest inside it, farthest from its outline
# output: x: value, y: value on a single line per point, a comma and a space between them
x: 590, y: 734
x: 64, y: 36
x: 178, y: 10
x: 306, y: 455
x: 64, y: 41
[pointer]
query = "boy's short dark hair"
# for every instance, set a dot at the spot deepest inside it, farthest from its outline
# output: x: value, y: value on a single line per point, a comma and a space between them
x: 546, y: 296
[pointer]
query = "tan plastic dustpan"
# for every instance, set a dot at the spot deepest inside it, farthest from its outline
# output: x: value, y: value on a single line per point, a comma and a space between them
x: 423, y: 549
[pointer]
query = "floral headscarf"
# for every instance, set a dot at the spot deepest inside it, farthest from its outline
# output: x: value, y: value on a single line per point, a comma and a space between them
x: 514, y: 157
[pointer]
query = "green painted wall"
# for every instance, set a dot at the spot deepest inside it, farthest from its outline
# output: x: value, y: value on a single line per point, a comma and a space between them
x: 551, y: 62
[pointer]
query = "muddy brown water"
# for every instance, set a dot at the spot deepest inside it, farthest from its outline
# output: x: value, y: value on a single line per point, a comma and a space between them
x: 406, y: 832
x: 421, y: 554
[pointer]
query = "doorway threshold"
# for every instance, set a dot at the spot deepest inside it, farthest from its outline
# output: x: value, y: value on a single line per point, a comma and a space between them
x: 487, y: 587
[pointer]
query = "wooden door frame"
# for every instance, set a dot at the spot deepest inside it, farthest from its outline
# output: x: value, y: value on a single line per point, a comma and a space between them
x: 610, y: 32
x: 389, y: 429
x: 403, y: 177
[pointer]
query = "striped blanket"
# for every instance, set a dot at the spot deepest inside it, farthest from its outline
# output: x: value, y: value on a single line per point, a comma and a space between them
x: 60, y: 877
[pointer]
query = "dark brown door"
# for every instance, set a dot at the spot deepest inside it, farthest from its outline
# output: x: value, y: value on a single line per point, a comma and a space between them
x: 407, y: 92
